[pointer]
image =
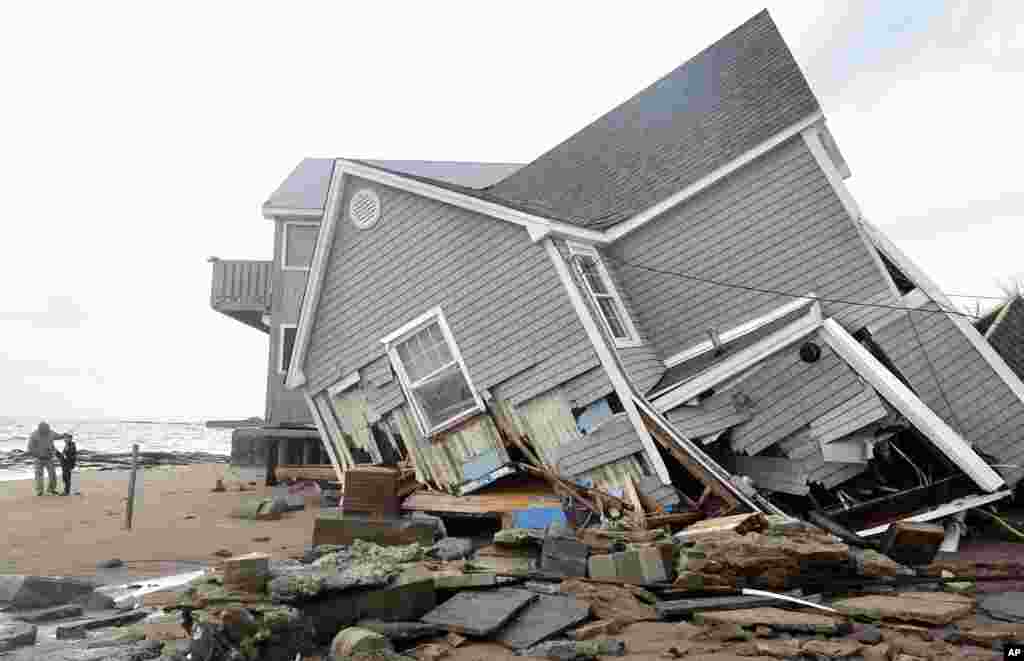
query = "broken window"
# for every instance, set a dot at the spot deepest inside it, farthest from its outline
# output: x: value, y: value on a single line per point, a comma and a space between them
x: 284, y: 354
x: 603, y: 293
x: 427, y: 361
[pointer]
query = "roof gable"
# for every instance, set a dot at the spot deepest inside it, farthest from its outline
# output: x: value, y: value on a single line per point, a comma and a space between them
x: 731, y: 97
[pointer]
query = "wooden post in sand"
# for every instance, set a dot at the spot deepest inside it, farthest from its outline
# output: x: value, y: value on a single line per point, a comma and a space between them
x: 131, y: 488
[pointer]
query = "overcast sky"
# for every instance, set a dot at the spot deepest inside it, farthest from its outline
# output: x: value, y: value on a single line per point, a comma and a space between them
x: 141, y: 138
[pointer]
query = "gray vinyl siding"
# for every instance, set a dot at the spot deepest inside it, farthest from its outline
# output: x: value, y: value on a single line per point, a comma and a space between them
x: 775, y: 224
x: 1007, y: 338
x: 856, y: 413
x: 663, y: 494
x: 287, y: 288
x: 713, y: 415
x: 383, y: 391
x: 788, y: 394
x: 588, y: 387
x: 500, y: 294
x: 614, y: 439
x: 985, y: 411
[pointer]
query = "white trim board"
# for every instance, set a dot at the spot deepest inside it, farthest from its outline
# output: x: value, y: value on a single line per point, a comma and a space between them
x: 607, y: 358
x: 913, y: 409
x: 277, y: 213
x: 325, y: 437
x: 739, y: 331
x: 314, y: 282
x: 923, y: 282
x: 284, y: 243
x: 344, y: 383
x: 952, y: 507
x: 738, y: 362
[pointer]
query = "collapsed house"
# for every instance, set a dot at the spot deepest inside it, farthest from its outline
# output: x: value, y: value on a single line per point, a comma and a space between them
x: 682, y: 300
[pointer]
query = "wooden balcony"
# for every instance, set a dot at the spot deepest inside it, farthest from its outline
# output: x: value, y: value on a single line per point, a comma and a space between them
x: 241, y: 289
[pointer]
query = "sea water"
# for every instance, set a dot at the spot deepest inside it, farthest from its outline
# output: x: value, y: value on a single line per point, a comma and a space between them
x: 117, y: 436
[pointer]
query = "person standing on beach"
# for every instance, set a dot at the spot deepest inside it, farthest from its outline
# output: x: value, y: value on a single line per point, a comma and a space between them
x: 68, y: 458
x: 40, y: 447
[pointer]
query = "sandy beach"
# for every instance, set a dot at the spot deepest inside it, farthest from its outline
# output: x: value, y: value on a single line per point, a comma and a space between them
x: 70, y: 536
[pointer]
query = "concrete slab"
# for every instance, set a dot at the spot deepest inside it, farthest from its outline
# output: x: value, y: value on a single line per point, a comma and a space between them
x: 776, y: 618
x: 931, y: 607
x: 479, y: 613
x: 545, y: 617
x: 41, y: 591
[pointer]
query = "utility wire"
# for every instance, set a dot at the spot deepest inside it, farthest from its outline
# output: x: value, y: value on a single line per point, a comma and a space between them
x: 777, y: 292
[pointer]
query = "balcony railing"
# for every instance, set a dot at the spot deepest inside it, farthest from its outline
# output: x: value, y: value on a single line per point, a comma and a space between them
x: 241, y: 289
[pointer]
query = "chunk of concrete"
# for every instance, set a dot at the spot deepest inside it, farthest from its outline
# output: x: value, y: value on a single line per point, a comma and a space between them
x: 41, y: 591
x: 452, y: 548
x: 542, y: 619
x: 567, y: 557
x: 465, y: 581
x: 479, y: 613
x: 15, y: 635
x: 776, y: 618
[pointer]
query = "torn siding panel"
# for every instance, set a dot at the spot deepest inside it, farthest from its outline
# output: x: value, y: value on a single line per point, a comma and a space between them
x: 859, y: 411
x: 547, y: 421
x: 788, y: 393
x: 772, y: 474
x: 556, y: 371
x: 612, y: 477
x: 353, y: 415
x: 714, y: 414
x: 986, y: 412
x: 775, y: 223
x: 614, y: 439
x: 502, y: 299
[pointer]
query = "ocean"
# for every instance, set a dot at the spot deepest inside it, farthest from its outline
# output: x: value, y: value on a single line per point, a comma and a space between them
x: 119, y: 435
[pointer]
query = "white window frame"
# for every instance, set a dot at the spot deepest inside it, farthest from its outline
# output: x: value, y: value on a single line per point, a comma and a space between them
x: 392, y: 340
x: 613, y: 293
x: 284, y: 244
x: 280, y: 345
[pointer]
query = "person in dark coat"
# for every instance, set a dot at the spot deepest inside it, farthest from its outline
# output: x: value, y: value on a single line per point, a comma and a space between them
x: 68, y: 458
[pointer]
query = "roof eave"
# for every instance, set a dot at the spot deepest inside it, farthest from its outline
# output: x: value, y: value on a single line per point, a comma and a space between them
x: 275, y: 213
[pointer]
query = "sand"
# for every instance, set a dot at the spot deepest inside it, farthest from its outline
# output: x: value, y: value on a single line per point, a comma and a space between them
x: 70, y: 536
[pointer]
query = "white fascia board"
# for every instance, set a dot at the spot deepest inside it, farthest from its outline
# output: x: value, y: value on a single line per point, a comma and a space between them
x: 314, y: 282
x: 952, y: 507
x: 277, y: 213
x: 649, y: 214
x: 607, y: 358
x: 737, y: 363
x: 538, y: 226
x: 413, y: 325
x: 325, y: 436
x: 923, y: 282
x: 913, y: 409
x: 737, y: 332
x: 344, y: 383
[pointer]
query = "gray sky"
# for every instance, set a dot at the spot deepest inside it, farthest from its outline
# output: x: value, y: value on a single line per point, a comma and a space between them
x: 141, y: 138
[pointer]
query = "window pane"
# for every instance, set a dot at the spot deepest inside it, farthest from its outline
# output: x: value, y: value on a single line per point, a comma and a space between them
x: 444, y: 396
x: 592, y: 274
x: 611, y: 315
x: 300, y: 240
x: 424, y: 353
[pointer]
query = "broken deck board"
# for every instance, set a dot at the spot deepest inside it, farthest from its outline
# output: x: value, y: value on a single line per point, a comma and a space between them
x: 547, y: 616
x: 477, y: 504
x: 479, y: 613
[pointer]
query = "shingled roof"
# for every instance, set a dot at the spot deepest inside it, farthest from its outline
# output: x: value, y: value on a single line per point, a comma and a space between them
x: 723, y: 102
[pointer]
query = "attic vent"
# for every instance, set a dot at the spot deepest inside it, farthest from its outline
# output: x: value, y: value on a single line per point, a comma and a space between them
x: 364, y: 209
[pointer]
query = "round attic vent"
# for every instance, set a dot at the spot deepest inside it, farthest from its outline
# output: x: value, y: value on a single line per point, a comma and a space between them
x: 364, y: 208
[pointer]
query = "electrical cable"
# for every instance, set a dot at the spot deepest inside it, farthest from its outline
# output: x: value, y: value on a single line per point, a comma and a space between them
x: 1001, y: 522
x: 778, y: 292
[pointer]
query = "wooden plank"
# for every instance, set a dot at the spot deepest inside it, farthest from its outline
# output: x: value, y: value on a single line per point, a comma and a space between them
x: 547, y: 616
x: 318, y: 472
x: 480, y: 504
x: 479, y: 613
x: 681, y: 607
x: 79, y: 630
